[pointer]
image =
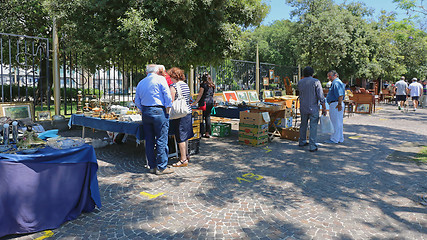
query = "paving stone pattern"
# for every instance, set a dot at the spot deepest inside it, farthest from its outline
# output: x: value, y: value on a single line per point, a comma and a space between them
x: 231, y: 191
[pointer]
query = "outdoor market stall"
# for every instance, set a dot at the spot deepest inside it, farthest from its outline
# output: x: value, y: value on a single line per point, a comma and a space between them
x: 44, y: 189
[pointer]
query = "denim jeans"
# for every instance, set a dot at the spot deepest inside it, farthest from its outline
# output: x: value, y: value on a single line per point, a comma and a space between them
x: 156, y: 126
x: 314, y: 120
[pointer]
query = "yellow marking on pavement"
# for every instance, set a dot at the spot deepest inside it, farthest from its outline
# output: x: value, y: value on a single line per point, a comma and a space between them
x: 383, y: 119
x: 242, y: 179
x: 151, y: 195
x: 268, y: 150
x: 47, y: 234
x: 355, y: 137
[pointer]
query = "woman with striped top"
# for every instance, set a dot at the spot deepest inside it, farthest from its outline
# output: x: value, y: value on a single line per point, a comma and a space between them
x: 181, y: 127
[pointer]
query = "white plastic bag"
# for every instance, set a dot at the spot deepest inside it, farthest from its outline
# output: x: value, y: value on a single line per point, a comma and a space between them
x: 326, y: 124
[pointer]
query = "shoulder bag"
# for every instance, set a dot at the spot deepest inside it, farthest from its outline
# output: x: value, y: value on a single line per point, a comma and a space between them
x: 179, y: 107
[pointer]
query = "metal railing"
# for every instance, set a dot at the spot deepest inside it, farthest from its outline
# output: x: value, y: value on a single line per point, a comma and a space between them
x: 26, y: 75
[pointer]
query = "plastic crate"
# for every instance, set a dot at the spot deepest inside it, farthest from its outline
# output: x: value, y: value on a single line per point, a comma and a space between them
x: 193, y: 146
x: 221, y: 129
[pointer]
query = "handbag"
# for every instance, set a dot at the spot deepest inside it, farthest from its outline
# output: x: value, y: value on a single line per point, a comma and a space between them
x: 203, y: 108
x: 179, y: 107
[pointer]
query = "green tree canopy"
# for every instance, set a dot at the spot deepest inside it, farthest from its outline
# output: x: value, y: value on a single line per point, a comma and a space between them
x: 171, y: 32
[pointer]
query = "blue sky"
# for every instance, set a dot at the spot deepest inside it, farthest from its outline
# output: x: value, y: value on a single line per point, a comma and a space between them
x: 280, y: 10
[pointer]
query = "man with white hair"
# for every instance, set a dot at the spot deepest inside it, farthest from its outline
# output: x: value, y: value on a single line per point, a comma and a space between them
x: 154, y: 99
x: 162, y: 72
x: 415, y: 90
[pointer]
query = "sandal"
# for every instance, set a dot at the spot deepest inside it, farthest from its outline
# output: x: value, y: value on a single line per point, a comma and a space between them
x: 181, y: 163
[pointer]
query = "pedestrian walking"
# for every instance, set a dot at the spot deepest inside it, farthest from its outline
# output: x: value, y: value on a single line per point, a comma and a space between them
x: 311, y: 95
x: 401, y: 89
x: 423, y: 98
x: 415, y: 91
x: 153, y: 98
x: 335, y: 99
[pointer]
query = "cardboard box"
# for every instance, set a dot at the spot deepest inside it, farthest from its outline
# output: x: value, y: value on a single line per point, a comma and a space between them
x: 255, y: 118
x: 253, y: 130
x: 291, y: 133
x: 253, y: 140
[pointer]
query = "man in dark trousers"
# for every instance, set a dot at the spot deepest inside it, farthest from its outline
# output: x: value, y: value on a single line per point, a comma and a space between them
x: 154, y: 99
x: 311, y: 95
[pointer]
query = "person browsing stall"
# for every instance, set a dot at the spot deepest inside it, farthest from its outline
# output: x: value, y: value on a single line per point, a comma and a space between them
x: 181, y: 127
x: 335, y: 99
x: 205, y: 102
x: 153, y: 99
x: 310, y: 94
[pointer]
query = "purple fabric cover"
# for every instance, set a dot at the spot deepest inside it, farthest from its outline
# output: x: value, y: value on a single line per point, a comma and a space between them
x: 43, y: 190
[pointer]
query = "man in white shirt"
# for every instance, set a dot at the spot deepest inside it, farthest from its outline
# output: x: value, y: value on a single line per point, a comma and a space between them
x: 401, y: 89
x: 415, y: 89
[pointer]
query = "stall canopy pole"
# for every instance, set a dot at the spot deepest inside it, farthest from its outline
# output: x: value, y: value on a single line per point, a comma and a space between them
x: 191, y: 80
x: 56, y: 83
x: 257, y: 71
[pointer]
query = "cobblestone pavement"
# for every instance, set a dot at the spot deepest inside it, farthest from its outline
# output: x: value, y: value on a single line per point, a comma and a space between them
x: 353, y: 190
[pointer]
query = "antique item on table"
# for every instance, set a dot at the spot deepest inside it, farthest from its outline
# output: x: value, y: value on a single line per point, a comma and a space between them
x: 267, y: 94
x: 253, y: 96
x: 28, y: 150
x: 271, y: 74
x: 243, y: 96
x: 265, y: 81
x: 110, y: 116
x: 17, y: 110
x: 6, y: 134
x: 230, y: 96
x: 65, y: 142
x: 29, y: 143
x: 4, y: 148
x: 15, y: 131
x: 44, y: 116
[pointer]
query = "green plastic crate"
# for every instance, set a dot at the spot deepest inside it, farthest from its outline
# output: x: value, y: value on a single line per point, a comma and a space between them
x: 221, y: 129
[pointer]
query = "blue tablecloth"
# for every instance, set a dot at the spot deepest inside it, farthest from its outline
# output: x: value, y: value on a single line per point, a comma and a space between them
x: 43, y: 190
x: 133, y: 128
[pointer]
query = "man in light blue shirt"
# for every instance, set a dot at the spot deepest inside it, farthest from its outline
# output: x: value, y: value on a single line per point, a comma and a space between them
x: 335, y: 99
x: 154, y: 99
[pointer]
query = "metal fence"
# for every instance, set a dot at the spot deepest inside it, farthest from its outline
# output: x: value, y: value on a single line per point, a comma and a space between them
x: 26, y: 75
x: 24, y: 72
x: 240, y: 75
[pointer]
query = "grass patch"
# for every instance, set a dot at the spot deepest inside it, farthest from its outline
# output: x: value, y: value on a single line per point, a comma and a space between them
x: 421, y: 157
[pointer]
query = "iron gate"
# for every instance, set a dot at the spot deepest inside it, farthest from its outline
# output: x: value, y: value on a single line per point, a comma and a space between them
x: 24, y: 70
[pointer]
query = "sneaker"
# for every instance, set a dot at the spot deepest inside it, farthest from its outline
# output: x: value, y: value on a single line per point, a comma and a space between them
x: 329, y: 141
x: 167, y: 170
x: 302, y: 145
x: 415, y: 109
x: 400, y: 108
x: 153, y: 171
x: 313, y: 150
